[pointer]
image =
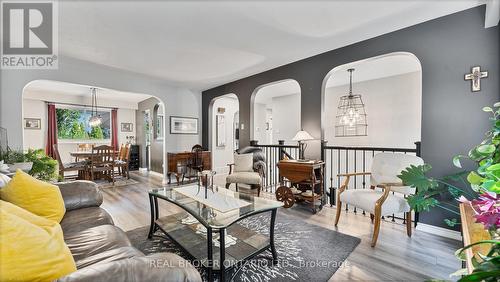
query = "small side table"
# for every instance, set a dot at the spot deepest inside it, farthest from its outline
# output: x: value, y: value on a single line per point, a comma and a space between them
x: 308, y: 176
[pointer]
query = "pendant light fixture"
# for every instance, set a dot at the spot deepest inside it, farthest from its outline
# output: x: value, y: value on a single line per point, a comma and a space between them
x: 95, y: 119
x: 351, y: 115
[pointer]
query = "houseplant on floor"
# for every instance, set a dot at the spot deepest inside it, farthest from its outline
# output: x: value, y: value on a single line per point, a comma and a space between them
x: 480, y: 193
x: 34, y: 161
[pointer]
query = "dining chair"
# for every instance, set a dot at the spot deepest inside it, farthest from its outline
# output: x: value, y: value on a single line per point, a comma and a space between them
x: 80, y: 167
x: 195, y: 164
x: 122, y: 163
x: 379, y: 202
x: 102, y: 162
x: 84, y: 147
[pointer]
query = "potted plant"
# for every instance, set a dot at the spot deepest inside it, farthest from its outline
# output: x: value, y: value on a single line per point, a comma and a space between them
x: 16, y: 159
x: 34, y: 161
x: 44, y: 167
x: 477, y: 202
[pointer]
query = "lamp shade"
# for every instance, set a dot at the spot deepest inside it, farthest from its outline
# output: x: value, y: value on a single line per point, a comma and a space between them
x: 302, y: 136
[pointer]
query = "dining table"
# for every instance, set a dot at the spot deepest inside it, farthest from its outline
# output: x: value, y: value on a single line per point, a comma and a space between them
x: 85, y: 155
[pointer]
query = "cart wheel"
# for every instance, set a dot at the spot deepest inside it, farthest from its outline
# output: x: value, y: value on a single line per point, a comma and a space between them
x: 285, y: 195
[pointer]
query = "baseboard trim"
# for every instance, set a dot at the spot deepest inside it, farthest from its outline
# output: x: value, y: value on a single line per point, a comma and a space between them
x: 154, y: 173
x: 440, y: 231
x: 144, y: 170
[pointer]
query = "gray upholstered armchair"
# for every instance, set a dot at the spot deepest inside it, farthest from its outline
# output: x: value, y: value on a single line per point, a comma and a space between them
x: 248, y: 168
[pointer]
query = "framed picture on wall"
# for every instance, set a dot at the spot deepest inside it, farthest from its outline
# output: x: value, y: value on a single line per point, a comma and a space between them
x: 183, y: 125
x: 220, y: 121
x: 32, y: 123
x: 127, y: 127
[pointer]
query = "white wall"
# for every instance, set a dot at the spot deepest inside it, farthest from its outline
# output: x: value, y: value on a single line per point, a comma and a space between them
x: 285, y: 113
x: 221, y: 156
x: 286, y: 117
x: 35, y: 138
x: 178, y: 101
x: 125, y: 116
x: 394, y: 111
x: 259, y: 123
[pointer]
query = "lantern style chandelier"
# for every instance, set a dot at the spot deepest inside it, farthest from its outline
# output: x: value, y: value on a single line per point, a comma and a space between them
x: 95, y: 119
x: 351, y: 115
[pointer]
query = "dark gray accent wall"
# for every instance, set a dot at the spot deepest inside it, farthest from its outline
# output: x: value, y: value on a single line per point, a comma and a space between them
x: 447, y: 47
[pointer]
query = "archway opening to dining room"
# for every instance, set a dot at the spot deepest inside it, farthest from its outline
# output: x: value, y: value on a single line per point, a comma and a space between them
x: 81, y: 117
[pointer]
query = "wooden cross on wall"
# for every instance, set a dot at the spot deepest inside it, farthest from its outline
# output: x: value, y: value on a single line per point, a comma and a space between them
x: 475, y: 78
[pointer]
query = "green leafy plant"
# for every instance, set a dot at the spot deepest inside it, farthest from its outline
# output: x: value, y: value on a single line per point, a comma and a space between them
x: 428, y: 188
x: 73, y: 124
x: 10, y: 156
x: 484, y: 191
x: 487, y: 269
x: 44, y: 167
x: 486, y: 178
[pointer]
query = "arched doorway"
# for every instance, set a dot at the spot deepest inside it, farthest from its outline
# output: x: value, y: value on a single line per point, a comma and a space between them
x: 391, y: 89
x: 136, y: 117
x: 275, y: 112
x: 223, y: 130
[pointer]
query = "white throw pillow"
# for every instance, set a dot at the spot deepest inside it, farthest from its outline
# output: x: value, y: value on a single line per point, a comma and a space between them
x: 243, y: 162
x: 4, y: 179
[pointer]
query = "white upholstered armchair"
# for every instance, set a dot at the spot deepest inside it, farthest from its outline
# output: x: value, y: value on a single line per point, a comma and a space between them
x: 384, y: 175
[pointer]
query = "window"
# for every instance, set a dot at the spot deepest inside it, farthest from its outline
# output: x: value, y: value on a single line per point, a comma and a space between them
x: 73, y: 124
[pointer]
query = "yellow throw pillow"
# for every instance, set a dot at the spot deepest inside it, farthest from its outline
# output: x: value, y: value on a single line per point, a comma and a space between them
x: 39, y: 197
x: 26, y: 215
x: 29, y: 252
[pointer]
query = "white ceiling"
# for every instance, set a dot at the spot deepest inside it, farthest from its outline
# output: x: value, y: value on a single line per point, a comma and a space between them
x: 202, y: 44
x: 39, y: 89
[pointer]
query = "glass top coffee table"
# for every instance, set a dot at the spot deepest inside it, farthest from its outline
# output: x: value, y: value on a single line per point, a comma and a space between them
x: 209, y: 229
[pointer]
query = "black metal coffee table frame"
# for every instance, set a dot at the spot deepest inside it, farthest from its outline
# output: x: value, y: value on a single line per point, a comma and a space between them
x: 155, y: 215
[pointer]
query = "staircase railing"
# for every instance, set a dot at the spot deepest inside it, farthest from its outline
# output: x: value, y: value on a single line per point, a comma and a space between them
x: 342, y: 159
x: 275, y: 153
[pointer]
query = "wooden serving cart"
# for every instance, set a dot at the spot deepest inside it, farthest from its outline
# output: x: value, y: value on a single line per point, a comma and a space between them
x: 306, y: 183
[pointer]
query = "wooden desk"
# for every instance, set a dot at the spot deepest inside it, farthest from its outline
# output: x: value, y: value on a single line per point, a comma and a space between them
x: 177, y: 163
x: 307, y: 176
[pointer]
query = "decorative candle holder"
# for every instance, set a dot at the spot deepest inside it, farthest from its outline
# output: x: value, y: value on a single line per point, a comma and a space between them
x: 206, y: 179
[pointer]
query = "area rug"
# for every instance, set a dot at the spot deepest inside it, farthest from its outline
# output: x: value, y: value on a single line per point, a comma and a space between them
x: 103, y: 184
x: 306, y: 252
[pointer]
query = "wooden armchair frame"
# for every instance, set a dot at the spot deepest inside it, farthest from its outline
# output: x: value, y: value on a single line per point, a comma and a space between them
x: 80, y: 168
x: 376, y: 218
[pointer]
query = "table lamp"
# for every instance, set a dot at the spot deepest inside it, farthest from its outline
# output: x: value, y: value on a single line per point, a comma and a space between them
x: 300, y: 137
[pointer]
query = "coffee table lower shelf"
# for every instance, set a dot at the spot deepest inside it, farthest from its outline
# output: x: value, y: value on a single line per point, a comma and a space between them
x: 248, y: 242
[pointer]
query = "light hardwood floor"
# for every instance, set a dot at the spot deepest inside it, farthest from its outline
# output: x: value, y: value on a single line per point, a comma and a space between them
x: 395, y: 258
